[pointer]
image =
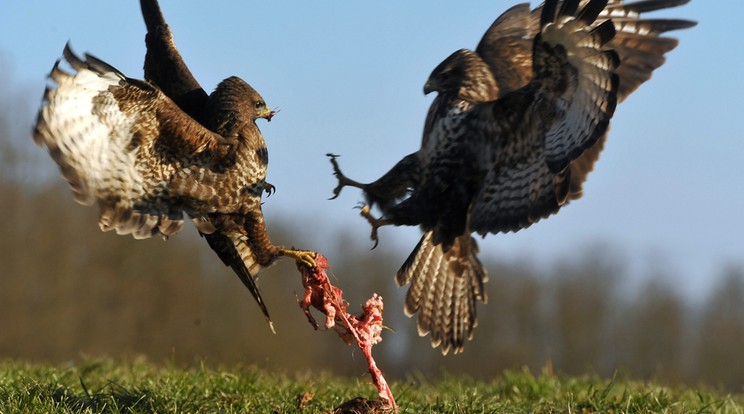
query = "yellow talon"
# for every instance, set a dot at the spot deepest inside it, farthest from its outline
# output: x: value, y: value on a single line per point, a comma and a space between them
x: 302, y: 257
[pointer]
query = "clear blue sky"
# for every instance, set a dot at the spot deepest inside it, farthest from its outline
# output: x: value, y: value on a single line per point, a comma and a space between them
x: 348, y: 78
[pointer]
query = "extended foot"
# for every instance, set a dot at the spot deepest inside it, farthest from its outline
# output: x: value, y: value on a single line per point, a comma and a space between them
x: 376, y: 223
x: 342, y: 180
x: 304, y: 258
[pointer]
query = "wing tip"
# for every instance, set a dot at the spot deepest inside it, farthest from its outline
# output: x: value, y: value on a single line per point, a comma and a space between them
x: 72, y: 58
x: 591, y: 11
x: 152, y: 15
x: 548, y: 12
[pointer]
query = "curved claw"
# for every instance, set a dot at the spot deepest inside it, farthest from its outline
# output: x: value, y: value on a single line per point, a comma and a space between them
x: 374, y: 237
x: 269, y: 189
x: 376, y: 223
x: 336, y: 192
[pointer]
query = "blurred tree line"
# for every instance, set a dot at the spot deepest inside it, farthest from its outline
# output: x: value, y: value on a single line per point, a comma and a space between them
x: 67, y: 290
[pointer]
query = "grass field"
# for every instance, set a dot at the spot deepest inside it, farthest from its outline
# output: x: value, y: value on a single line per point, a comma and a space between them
x: 137, y: 386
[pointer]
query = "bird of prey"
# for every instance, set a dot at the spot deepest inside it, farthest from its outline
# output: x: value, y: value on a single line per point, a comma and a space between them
x: 515, y: 128
x: 148, y: 152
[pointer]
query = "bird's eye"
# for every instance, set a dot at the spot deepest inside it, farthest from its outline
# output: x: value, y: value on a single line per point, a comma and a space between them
x: 260, y: 104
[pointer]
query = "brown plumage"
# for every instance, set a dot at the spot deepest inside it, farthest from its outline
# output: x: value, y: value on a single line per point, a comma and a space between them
x: 515, y: 129
x: 148, y: 152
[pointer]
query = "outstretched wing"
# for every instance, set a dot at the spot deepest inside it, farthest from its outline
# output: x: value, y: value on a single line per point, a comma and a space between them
x: 507, y: 47
x: 531, y: 135
x: 164, y: 65
x: 119, y: 143
x: 639, y: 42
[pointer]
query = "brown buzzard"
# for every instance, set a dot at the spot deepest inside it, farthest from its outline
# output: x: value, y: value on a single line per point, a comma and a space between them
x: 148, y: 152
x: 515, y: 129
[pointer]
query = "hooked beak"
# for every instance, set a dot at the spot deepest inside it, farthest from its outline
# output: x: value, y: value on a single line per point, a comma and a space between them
x: 429, y: 87
x: 267, y: 114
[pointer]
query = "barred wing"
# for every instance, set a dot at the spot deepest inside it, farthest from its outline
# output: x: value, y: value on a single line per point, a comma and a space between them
x: 532, y: 134
x: 640, y: 42
x: 119, y: 143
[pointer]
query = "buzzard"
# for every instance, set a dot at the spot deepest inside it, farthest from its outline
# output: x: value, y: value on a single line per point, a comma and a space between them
x: 149, y: 152
x: 516, y: 127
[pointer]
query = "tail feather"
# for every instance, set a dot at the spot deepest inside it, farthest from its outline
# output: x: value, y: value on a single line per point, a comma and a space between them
x: 444, y: 289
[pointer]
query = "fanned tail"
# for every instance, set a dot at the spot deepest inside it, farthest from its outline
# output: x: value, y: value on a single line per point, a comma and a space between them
x: 444, y: 289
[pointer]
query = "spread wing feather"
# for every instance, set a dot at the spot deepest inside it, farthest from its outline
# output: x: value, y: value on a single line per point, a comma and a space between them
x: 119, y: 143
x: 532, y: 134
x: 588, y: 108
x: 507, y: 45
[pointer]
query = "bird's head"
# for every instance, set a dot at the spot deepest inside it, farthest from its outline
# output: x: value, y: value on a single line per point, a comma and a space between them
x: 233, y: 105
x: 463, y: 74
x: 262, y: 110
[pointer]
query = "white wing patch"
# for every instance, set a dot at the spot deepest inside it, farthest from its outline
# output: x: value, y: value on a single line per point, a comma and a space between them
x: 87, y: 135
x: 91, y: 139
